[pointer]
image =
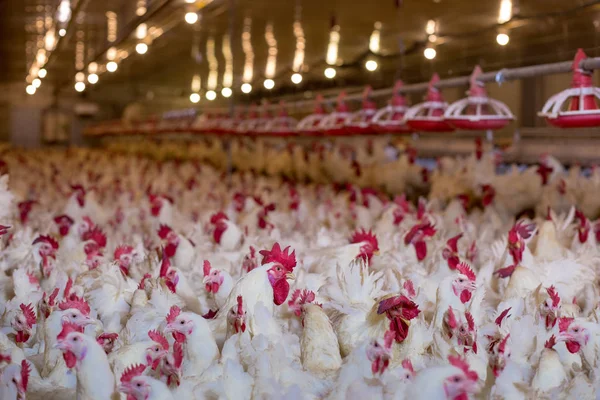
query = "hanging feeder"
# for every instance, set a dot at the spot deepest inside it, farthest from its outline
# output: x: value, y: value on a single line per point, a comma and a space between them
x: 230, y: 125
x: 263, y: 121
x: 282, y: 125
x: 309, y: 125
x: 359, y: 123
x: 390, y: 119
x: 576, y: 107
x: 429, y: 116
x: 478, y: 111
x: 333, y: 124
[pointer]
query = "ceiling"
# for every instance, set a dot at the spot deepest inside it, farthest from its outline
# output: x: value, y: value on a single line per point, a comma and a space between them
x: 541, y: 31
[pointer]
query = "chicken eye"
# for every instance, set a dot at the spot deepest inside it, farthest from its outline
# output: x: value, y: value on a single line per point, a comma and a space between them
x: 73, y: 315
x: 139, y: 384
x: 182, y: 322
x: 461, y: 280
x: 278, y: 269
x: 75, y: 339
x: 156, y: 349
x: 376, y: 344
x: 407, y: 376
x: 456, y: 379
x: 575, y: 330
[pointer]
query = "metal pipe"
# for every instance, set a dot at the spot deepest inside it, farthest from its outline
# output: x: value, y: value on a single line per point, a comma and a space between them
x: 507, y: 74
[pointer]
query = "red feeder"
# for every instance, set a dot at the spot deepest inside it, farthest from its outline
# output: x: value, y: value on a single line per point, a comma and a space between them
x: 390, y: 119
x: 333, y: 124
x: 282, y: 125
x: 581, y: 110
x: 478, y: 111
x: 429, y: 116
x: 309, y: 125
x: 359, y: 123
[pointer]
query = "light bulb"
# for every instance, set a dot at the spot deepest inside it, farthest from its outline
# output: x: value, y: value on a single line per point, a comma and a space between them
x: 502, y: 39
x: 93, y: 79
x: 269, y: 84
x: 30, y: 89
x: 246, y: 88
x: 194, y: 98
x: 191, y: 17
x: 80, y: 76
x: 429, y: 53
x: 190, y: 1
x: 226, y: 92
x: 371, y: 65
x: 62, y: 32
x: 42, y: 73
x: 330, y: 73
x: 141, y: 48
x: 80, y: 86
x: 211, y: 95
x: 36, y: 83
x: 296, y: 78
x: 111, y: 66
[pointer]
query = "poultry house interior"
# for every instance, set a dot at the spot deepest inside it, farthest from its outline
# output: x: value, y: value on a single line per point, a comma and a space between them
x: 233, y: 199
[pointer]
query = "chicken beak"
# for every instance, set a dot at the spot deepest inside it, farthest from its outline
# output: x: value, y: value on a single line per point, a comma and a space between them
x: 61, y: 345
x: 376, y: 252
x: 124, y: 387
x: 564, y: 337
x: 290, y: 276
x: 206, y: 279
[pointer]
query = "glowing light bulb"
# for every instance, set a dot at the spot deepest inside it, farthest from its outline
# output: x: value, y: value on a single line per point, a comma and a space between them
x: 194, y: 98
x: 42, y: 73
x: 211, y: 95
x: 93, y: 79
x: 330, y: 73
x: 112, y: 66
x: 226, y: 92
x: 269, y: 84
x: 371, y: 65
x: 190, y: 1
x: 141, y: 48
x: 62, y: 32
x: 246, y: 88
x: 36, y: 83
x: 80, y: 76
x: 191, y: 17
x: 80, y: 86
x: 430, y: 53
x: 296, y: 78
x: 30, y: 89
x: 502, y: 39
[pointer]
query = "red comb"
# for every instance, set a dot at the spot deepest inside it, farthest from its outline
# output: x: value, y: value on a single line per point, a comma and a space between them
x: 502, y: 345
x: 68, y: 287
x: 421, y: 208
x: 206, y: 267
x: 46, y: 239
x: 564, y: 323
x: 388, y: 338
x: 142, y: 284
x: 77, y: 303
x: 240, y: 305
x: 470, y: 321
x: 217, y: 217
x: 159, y: 338
x: 550, y: 342
x: 285, y: 258
x: 409, y: 308
x: 96, y: 235
x: 165, y: 264
x: 553, y: 295
x: 410, y: 288
x: 5, y: 358
x: 108, y: 336
x: 121, y: 250
x: 29, y: 314
x: 364, y: 236
x: 67, y: 327
x: 461, y: 363
x: 173, y: 314
x: 452, y: 243
x: 63, y: 218
x: 163, y: 231
x: 503, y: 314
x: 407, y: 365
x: 25, y: 371
x: 524, y: 230
x: 466, y: 270
x: 132, y: 371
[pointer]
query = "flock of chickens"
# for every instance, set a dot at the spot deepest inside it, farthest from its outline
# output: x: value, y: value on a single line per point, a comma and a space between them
x: 126, y: 277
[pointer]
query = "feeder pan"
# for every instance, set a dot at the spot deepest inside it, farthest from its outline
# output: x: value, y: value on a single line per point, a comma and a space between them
x: 333, y: 124
x: 264, y: 119
x: 230, y: 125
x: 429, y: 116
x: 309, y: 125
x: 576, y: 107
x: 282, y: 125
x: 359, y: 123
x: 478, y: 111
x: 390, y: 119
